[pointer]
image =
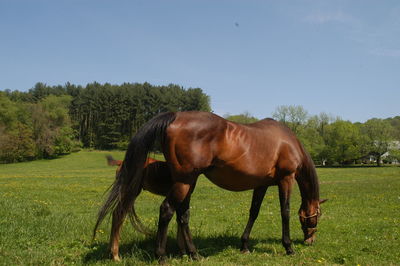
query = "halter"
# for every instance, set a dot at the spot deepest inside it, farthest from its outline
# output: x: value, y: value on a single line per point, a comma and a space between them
x: 310, y: 230
x: 312, y: 215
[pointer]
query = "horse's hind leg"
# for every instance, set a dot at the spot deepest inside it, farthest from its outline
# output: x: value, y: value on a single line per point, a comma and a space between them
x: 184, y: 237
x: 180, y: 239
x: 177, y: 199
x: 285, y: 190
x: 258, y: 196
x: 117, y: 220
x: 182, y: 216
x: 166, y: 212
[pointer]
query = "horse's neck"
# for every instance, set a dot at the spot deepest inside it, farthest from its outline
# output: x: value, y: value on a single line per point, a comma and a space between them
x: 309, y: 194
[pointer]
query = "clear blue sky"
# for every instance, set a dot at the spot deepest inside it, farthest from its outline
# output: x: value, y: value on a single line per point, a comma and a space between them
x: 340, y: 57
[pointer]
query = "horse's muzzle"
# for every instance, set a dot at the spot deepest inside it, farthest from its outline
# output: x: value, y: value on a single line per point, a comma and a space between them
x: 309, y: 235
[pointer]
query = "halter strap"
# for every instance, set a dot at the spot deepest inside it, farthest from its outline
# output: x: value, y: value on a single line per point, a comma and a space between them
x: 311, y: 216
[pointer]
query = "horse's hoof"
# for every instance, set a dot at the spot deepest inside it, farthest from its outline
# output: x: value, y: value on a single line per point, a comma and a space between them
x: 162, y: 260
x: 196, y: 256
x: 116, y: 258
x: 289, y: 252
x: 309, y: 241
x: 245, y: 251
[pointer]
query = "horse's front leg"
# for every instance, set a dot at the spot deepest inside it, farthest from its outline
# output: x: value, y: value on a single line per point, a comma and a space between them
x: 285, y: 190
x: 177, y: 200
x: 258, y: 196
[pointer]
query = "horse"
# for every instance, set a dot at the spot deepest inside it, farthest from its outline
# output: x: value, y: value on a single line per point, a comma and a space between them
x: 233, y: 156
x: 157, y: 180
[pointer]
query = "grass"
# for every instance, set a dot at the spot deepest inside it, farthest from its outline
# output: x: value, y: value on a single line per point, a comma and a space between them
x: 48, y: 209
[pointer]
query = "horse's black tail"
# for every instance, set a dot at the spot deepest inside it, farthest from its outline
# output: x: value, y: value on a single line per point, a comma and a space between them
x: 128, y: 183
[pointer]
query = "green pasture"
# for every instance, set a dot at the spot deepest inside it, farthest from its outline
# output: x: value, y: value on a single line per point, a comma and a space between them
x: 48, y: 209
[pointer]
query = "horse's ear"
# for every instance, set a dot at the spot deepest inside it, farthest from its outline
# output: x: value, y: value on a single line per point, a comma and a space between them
x: 322, y: 201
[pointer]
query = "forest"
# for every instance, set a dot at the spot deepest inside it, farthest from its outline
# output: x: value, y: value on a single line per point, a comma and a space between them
x: 48, y: 121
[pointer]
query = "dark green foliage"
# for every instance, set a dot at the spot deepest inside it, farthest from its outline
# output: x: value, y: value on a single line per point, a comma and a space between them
x: 52, y: 126
x: 35, y: 130
x: 195, y: 99
x: 395, y: 122
x: 394, y: 155
x: 343, y: 139
x: 17, y: 144
x: 54, y: 120
x: 379, y: 135
x: 107, y: 116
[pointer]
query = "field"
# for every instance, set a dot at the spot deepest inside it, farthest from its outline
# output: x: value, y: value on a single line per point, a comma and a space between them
x: 48, y: 209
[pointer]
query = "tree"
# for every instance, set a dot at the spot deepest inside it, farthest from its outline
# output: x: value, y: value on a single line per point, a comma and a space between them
x: 281, y: 113
x: 107, y: 116
x: 101, y: 116
x: 342, y: 140
x: 313, y: 141
x: 294, y: 116
x: 16, y: 142
x: 8, y: 112
x: 395, y: 122
x: 196, y: 100
x: 379, y: 135
x: 17, y: 145
x: 52, y: 130
x: 394, y: 155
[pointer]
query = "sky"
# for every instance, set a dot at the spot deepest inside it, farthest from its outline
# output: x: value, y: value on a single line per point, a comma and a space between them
x: 339, y: 57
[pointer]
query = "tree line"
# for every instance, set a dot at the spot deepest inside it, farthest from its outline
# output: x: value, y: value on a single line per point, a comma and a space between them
x: 331, y: 140
x: 48, y: 121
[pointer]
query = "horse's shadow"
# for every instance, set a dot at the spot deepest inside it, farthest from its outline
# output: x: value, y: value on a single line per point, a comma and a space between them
x: 143, y: 250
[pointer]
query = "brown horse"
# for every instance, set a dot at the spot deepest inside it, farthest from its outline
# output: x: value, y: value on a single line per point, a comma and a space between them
x: 233, y: 156
x: 157, y: 180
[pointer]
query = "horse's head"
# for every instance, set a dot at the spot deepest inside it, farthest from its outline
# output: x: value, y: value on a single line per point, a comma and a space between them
x: 111, y: 161
x: 309, y: 216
